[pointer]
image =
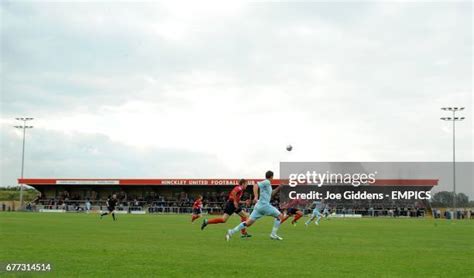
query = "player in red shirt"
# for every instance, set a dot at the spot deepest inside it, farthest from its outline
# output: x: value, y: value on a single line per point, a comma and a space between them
x: 291, y: 209
x: 232, y: 206
x: 197, y: 208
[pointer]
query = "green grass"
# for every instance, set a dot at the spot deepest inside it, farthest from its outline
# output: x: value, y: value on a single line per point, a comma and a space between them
x: 81, y: 245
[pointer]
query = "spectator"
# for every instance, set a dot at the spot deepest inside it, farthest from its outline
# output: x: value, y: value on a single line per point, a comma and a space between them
x: 88, y: 205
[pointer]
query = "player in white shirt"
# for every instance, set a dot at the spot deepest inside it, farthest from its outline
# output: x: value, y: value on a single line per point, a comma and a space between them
x: 262, y: 208
x: 326, y: 212
x: 316, y: 213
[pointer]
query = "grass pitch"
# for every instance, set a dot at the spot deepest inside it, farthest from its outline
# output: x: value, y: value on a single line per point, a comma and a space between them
x: 82, y: 245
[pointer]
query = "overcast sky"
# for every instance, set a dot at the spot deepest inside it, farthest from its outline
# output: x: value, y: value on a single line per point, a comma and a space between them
x: 211, y: 89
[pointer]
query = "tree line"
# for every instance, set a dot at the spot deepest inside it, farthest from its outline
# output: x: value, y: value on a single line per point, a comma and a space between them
x: 445, y: 199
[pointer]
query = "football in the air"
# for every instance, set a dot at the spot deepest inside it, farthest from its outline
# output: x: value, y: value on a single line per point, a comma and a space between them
x: 289, y: 148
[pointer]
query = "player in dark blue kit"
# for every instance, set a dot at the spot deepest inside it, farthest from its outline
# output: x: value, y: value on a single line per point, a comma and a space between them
x: 111, y: 204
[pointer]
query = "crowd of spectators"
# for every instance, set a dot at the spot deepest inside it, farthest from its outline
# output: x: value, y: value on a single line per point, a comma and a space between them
x: 151, y: 199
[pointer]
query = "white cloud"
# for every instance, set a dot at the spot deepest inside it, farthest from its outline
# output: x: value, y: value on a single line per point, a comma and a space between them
x: 235, y: 83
